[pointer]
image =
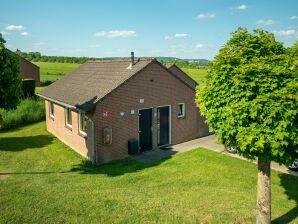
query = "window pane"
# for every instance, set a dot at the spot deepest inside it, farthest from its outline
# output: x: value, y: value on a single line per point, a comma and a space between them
x: 83, y: 122
x: 68, y: 116
x: 181, y: 110
x: 51, y: 108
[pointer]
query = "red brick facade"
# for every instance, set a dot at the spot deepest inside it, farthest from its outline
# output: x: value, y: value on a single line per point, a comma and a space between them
x: 70, y: 136
x: 157, y: 87
x: 29, y: 71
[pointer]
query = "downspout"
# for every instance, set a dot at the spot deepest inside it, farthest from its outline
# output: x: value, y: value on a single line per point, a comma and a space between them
x: 93, y: 148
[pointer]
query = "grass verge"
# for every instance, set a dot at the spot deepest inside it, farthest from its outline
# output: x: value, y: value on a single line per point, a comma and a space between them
x: 44, y: 181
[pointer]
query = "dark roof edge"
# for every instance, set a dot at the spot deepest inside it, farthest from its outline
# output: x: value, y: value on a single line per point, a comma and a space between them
x: 168, y: 70
x: 60, y: 103
x: 23, y: 58
x: 185, y: 74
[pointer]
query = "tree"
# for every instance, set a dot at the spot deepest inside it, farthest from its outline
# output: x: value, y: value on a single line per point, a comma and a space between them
x: 10, y: 79
x: 250, y: 102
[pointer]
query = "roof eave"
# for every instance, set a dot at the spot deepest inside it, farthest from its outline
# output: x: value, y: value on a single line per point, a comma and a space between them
x: 61, y: 103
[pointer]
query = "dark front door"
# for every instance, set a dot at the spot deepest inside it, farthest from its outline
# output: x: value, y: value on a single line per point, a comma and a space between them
x: 163, y: 125
x: 145, y: 129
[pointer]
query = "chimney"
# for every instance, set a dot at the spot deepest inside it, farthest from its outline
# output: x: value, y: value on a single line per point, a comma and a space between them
x: 132, y: 58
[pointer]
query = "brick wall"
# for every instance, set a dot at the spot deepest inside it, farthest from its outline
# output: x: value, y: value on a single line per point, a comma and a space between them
x: 70, y: 137
x: 29, y: 71
x: 157, y: 87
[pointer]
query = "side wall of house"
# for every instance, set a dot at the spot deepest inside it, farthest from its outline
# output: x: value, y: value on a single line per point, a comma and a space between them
x: 157, y: 87
x: 29, y: 71
x: 70, y: 136
x: 182, y: 76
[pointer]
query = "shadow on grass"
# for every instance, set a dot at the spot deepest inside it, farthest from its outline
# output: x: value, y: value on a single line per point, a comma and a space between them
x: 15, y: 144
x: 116, y: 168
x: 290, y: 184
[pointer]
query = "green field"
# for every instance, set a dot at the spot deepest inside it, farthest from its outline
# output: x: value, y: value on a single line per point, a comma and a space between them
x: 44, y: 181
x: 53, y: 70
x: 198, y: 75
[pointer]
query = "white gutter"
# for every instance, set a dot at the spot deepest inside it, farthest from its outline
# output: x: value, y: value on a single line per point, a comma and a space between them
x: 60, y: 103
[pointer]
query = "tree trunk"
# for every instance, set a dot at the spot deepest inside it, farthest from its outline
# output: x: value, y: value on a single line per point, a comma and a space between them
x: 263, y: 193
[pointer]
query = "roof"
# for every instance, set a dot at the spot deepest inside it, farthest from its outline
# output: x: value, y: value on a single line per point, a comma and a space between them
x: 22, y: 58
x: 91, y: 82
x: 181, y: 75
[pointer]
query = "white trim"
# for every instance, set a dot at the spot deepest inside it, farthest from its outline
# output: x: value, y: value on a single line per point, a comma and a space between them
x: 152, y: 109
x: 170, y: 125
x: 183, y: 110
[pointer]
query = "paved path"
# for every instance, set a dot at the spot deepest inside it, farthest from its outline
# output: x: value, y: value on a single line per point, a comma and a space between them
x: 208, y: 142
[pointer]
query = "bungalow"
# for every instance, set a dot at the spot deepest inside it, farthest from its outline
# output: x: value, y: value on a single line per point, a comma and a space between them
x: 104, y: 107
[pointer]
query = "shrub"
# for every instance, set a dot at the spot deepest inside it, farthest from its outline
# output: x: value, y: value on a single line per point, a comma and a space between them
x: 27, y: 112
x: 28, y: 88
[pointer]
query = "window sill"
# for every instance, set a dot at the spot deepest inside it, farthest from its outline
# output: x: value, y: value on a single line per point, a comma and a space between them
x: 83, y: 134
x: 69, y: 127
x: 181, y: 117
x: 52, y: 117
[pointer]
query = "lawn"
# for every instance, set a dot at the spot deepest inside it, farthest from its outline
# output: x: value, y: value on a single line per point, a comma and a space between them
x: 199, y: 75
x: 53, y: 70
x: 44, y: 181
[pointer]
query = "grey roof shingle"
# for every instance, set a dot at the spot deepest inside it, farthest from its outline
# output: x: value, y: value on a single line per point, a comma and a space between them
x: 91, y: 82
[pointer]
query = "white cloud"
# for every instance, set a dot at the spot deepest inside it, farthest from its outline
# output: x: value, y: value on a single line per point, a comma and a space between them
x: 24, y: 33
x: 206, y: 16
x: 200, y: 46
x: 287, y: 33
x: 39, y: 44
x: 14, y: 27
x: 267, y: 22
x: 156, y: 51
x: 293, y: 17
x: 181, y: 35
x: 241, y: 7
x: 116, y: 33
x: 95, y: 46
x: 177, y: 35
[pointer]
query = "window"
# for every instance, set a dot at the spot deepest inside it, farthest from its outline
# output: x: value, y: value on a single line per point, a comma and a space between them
x: 52, y: 109
x: 68, y: 117
x: 83, y: 123
x: 181, y: 110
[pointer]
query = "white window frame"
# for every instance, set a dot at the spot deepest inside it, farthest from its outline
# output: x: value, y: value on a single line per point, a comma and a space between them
x: 67, y: 118
x: 51, y: 109
x: 183, y: 110
x: 80, y: 123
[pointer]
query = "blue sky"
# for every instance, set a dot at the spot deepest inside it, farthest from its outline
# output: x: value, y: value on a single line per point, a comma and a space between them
x: 108, y: 28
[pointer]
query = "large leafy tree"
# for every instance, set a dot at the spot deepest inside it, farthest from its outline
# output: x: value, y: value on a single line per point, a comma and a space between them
x: 10, y: 79
x: 250, y: 102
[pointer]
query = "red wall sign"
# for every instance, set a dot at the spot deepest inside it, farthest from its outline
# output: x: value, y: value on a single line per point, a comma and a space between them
x: 104, y: 114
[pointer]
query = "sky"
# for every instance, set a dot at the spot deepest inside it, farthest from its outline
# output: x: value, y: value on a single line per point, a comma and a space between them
x: 114, y: 28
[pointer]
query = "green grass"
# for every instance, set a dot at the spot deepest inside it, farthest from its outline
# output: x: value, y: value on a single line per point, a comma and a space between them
x: 53, y: 70
x: 44, y: 181
x: 199, y: 75
x: 27, y: 112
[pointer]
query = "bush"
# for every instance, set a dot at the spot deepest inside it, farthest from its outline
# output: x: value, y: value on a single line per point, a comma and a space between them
x: 28, y: 88
x: 27, y: 112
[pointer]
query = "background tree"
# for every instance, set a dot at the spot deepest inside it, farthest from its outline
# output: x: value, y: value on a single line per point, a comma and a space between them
x: 250, y: 102
x: 10, y: 79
